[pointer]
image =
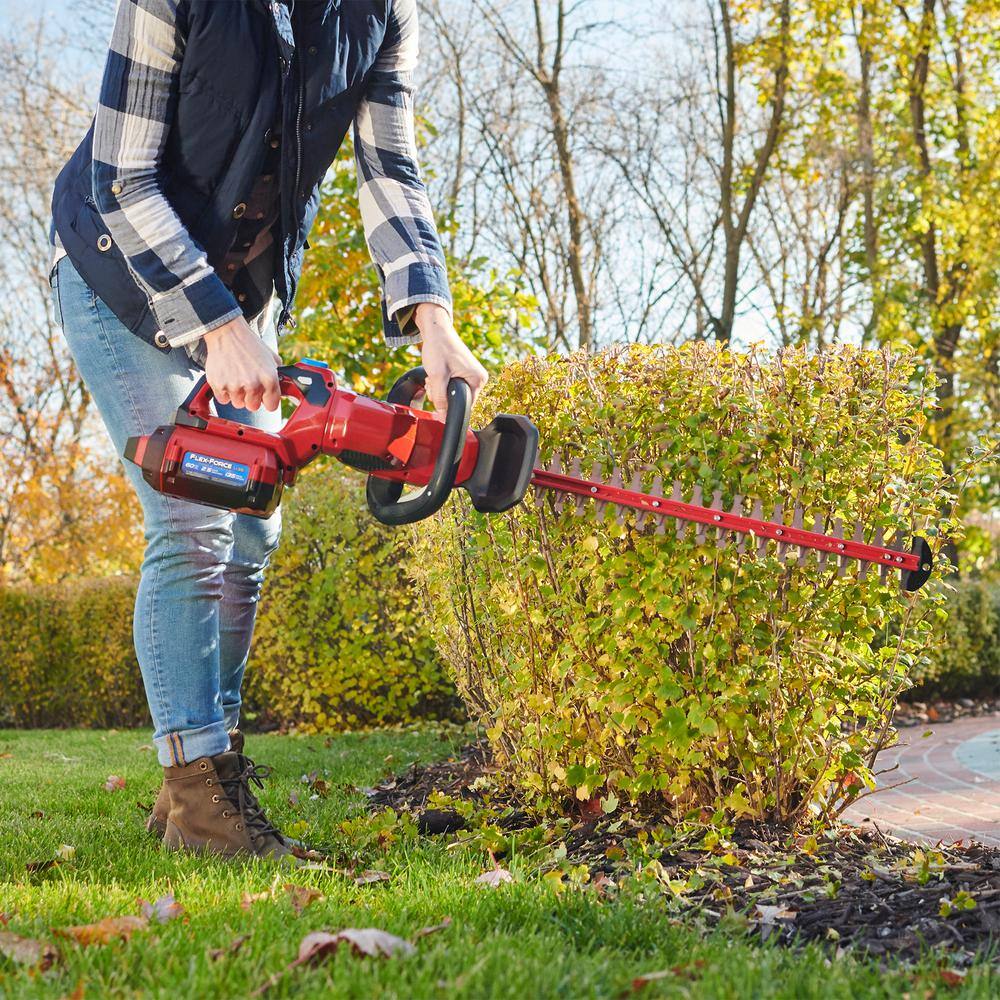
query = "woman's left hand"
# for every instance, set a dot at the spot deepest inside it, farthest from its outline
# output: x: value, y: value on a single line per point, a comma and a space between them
x: 445, y: 356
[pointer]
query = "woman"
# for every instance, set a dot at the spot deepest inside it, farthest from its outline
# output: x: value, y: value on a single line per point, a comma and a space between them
x: 179, y: 226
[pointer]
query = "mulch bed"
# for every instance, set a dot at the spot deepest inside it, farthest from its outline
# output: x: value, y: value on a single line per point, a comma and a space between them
x: 853, y: 889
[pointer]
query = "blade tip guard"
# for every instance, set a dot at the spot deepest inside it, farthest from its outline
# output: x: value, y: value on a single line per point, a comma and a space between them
x: 914, y: 579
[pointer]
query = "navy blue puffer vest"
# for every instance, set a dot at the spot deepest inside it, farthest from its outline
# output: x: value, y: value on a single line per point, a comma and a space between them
x: 243, y: 68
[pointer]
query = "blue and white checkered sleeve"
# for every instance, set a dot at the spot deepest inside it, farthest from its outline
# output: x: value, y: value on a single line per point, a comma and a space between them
x: 399, y: 223
x: 137, y: 104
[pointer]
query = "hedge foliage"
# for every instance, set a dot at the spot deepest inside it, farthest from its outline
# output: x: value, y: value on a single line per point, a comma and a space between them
x: 964, y: 657
x: 612, y: 663
x: 66, y: 656
x: 340, y: 642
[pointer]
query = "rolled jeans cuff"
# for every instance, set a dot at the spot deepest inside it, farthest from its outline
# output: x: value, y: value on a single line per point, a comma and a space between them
x: 180, y: 748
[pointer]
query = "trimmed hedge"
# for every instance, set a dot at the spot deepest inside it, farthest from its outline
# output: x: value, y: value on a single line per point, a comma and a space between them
x: 340, y: 643
x: 963, y: 660
x: 341, y: 640
x: 614, y: 664
x: 66, y: 656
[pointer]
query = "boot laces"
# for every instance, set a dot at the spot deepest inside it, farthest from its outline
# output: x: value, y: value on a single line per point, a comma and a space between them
x: 238, y: 788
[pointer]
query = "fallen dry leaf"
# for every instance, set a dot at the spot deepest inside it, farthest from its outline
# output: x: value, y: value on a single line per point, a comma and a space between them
x: 952, y: 977
x: 114, y: 783
x: 4, y: 919
x: 425, y: 931
x: 162, y: 910
x: 302, y: 895
x: 66, y: 852
x: 771, y: 914
x: 105, y: 931
x: 38, y: 814
x: 364, y: 941
x: 249, y: 898
x: 231, y: 949
x: 495, y: 878
x: 27, y: 951
x: 370, y: 877
x: 79, y: 993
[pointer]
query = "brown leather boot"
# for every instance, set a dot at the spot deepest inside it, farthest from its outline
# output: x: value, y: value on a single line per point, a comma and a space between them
x: 213, y: 809
x: 157, y: 822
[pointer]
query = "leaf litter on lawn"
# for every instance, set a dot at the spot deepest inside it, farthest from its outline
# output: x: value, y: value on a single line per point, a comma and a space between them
x: 319, y: 945
x: 847, y: 888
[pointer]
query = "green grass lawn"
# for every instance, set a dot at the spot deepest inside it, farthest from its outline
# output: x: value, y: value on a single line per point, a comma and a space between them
x: 521, y: 940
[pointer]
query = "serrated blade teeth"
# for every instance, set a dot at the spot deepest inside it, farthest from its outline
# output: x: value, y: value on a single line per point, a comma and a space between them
x: 657, y: 491
x: 797, y: 522
x: 616, y: 482
x: 555, y: 467
x: 720, y: 533
x: 778, y: 517
x: 737, y: 509
x: 758, y: 515
x: 698, y: 499
x: 577, y: 473
x: 838, y: 533
x: 819, y: 523
x: 677, y: 495
x: 859, y: 536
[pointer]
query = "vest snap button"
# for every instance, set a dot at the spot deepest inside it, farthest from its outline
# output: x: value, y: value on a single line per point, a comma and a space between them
x: 239, y: 210
x: 104, y: 242
x: 312, y: 50
x: 161, y: 341
x: 116, y: 188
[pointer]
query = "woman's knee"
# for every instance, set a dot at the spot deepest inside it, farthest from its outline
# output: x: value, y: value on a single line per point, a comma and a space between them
x: 254, y: 540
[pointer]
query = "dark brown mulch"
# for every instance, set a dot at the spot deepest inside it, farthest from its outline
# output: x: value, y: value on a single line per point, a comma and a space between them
x: 850, y: 889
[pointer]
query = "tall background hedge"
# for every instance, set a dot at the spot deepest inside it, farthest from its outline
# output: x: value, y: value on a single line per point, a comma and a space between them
x: 340, y: 640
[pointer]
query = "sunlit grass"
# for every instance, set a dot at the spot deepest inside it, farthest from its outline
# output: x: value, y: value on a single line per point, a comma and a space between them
x: 521, y: 940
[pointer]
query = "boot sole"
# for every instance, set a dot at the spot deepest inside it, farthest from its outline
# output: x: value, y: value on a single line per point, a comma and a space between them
x: 173, y: 840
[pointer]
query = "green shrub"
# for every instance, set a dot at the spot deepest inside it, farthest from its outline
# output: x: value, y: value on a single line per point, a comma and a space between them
x: 964, y: 657
x: 607, y: 660
x: 341, y: 641
x: 66, y: 655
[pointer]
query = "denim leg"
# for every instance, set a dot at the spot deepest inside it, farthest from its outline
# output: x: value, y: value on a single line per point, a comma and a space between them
x: 176, y: 624
x: 254, y: 540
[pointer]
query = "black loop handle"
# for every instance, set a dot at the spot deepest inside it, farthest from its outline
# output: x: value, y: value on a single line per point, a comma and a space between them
x: 384, y: 494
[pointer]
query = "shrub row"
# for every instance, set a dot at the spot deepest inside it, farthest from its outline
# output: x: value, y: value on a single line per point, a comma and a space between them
x: 963, y: 659
x: 340, y: 642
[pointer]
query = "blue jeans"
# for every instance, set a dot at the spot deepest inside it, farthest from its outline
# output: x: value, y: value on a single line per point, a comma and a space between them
x: 203, y: 568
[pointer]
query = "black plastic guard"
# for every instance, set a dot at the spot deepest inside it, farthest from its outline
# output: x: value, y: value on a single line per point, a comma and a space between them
x: 914, y: 579
x: 508, y: 448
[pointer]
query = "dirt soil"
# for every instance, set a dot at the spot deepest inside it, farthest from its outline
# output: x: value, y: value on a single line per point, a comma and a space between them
x: 851, y: 889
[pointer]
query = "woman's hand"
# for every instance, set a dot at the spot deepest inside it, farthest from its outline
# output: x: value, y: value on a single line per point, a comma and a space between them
x: 445, y: 356
x: 241, y: 368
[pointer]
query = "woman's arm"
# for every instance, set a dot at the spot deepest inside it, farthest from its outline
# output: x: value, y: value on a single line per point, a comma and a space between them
x: 399, y: 223
x: 188, y: 300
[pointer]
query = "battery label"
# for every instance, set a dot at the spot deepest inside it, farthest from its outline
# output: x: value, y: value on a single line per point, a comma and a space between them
x: 217, y: 470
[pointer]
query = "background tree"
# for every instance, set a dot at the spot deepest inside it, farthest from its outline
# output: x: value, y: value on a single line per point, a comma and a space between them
x: 62, y: 488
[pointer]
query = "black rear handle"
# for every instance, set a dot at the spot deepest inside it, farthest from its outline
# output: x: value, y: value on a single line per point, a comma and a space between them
x: 385, y: 496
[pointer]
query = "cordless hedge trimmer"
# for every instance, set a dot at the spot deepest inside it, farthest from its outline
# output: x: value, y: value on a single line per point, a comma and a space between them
x: 206, y: 459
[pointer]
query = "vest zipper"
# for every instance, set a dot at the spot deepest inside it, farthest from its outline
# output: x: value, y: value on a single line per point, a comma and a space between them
x: 286, y: 320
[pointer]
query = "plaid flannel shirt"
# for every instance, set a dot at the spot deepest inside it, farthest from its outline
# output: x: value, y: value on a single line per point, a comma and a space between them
x: 134, y: 116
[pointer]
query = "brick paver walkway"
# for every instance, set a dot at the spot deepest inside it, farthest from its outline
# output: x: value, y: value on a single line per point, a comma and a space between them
x: 952, y: 789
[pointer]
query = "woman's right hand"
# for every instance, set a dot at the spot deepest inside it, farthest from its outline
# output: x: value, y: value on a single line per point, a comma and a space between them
x: 241, y: 368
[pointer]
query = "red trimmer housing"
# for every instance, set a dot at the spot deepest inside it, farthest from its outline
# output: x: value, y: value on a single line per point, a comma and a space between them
x: 210, y: 460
